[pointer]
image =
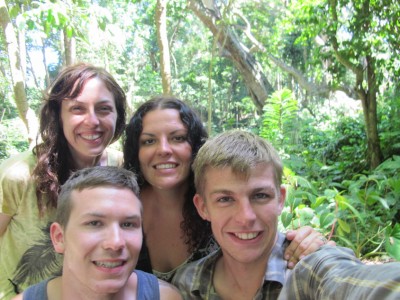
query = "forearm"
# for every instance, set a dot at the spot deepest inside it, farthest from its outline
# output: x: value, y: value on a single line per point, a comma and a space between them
x: 4, y: 221
x: 337, y: 274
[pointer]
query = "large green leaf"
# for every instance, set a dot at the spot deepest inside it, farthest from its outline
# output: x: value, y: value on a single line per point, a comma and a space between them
x: 392, y: 243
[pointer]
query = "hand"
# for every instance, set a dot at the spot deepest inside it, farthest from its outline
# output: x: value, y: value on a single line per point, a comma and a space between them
x: 304, y: 241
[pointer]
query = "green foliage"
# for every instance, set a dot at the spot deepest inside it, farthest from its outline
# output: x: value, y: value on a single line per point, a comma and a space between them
x: 324, y: 149
x: 279, y: 118
x: 12, y: 138
x: 392, y: 243
x: 362, y: 213
x: 330, y: 189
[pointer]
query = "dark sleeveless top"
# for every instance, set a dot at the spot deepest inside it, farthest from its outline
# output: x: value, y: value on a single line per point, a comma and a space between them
x: 147, y: 288
x: 144, y: 263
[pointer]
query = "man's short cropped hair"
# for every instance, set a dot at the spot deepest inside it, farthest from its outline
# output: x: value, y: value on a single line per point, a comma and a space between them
x: 240, y: 150
x: 89, y: 178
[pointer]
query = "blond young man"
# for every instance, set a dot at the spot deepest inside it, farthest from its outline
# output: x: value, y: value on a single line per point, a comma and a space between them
x: 98, y: 231
x: 238, y: 178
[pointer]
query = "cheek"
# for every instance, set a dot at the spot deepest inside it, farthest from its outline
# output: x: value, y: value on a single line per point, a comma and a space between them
x: 113, y: 122
x: 218, y: 221
x: 135, y: 242
x: 186, y: 152
x: 143, y: 157
x: 271, y: 214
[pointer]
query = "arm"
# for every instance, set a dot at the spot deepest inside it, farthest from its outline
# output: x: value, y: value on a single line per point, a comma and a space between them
x: 335, y: 273
x: 304, y: 241
x: 19, y: 297
x: 4, y: 221
x: 168, y: 291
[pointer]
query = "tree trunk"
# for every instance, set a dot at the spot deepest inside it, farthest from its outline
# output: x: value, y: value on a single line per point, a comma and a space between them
x: 47, y: 75
x: 258, y: 86
x: 369, y: 105
x: 69, y: 49
x: 26, y: 114
x: 162, y: 39
x: 367, y: 94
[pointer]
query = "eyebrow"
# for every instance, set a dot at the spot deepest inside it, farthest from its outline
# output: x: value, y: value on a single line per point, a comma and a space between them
x: 103, y: 100
x: 184, y: 130
x: 255, y: 190
x: 102, y: 216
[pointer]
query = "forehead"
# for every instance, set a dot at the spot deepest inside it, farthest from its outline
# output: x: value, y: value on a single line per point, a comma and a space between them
x: 94, y: 88
x: 162, y: 115
x: 224, y: 178
x: 106, y: 198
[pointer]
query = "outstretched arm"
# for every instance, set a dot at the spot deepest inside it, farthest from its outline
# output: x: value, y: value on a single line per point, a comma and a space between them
x: 335, y: 273
x: 304, y: 241
x: 4, y: 221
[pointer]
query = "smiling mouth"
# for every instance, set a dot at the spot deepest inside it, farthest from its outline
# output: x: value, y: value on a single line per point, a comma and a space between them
x: 109, y: 264
x: 166, y: 166
x: 90, y: 137
x: 246, y: 236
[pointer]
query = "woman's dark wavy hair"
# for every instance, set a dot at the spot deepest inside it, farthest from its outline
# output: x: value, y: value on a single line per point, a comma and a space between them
x: 196, y: 230
x: 54, y: 158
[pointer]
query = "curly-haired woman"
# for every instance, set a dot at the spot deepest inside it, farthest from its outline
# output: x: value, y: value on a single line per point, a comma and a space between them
x: 161, y: 142
x: 83, y: 112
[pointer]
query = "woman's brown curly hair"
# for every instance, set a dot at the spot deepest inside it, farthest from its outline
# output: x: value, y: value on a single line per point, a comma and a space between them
x: 196, y: 230
x: 55, y: 163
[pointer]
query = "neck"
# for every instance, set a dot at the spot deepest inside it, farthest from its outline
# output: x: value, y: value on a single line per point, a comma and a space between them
x: 80, y: 163
x: 164, y: 198
x: 233, y: 279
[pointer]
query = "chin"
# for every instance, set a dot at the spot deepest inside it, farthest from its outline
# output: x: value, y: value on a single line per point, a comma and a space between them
x: 109, y: 286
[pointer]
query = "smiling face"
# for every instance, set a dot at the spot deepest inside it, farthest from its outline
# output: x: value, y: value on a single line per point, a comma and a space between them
x: 89, y: 122
x: 164, y: 151
x: 243, y: 212
x: 102, y: 240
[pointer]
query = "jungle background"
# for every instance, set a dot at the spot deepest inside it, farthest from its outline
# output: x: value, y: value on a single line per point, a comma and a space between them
x: 318, y: 78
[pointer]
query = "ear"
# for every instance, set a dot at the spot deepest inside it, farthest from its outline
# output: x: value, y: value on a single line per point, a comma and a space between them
x: 282, y: 198
x: 201, y: 207
x: 57, y: 237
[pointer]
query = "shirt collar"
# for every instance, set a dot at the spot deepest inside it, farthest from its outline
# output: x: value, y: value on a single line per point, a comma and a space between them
x: 276, y: 270
x: 277, y: 265
x: 205, y: 273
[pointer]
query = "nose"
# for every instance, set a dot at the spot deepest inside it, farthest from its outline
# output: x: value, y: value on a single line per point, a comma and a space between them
x: 245, y: 214
x: 164, y: 147
x: 114, y: 239
x: 91, y: 118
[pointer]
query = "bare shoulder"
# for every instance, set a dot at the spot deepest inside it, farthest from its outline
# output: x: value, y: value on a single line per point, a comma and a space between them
x: 168, y: 291
x: 18, y: 297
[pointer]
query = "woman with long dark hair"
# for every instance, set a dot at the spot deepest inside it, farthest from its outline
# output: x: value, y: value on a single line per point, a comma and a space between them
x: 82, y: 114
x: 161, y: 142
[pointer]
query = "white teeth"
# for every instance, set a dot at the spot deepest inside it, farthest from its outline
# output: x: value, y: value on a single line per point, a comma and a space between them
x: 166, y: 166
x: 108, y: 264
x: 246, y: 236
x: 90, y: 136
